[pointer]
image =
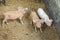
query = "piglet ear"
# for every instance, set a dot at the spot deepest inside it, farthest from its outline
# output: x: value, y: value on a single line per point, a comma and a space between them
x: 51, y: 20
x: 42, y: 21
x: 34, y: 21
x: 19, y: 8
x: 25, y: 9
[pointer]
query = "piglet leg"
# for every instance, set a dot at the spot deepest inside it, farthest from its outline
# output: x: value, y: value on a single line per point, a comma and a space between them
x: 5, y: 20
x: 41, y: 30
x: 35, y: 29
x: 21, y: 20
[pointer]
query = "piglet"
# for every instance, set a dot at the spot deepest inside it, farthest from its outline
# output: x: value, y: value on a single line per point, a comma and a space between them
x: 36, y: 21
x: 14, y: 15
x: 42, y: 14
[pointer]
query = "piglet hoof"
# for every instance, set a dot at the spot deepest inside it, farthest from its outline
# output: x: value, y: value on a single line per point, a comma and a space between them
x: 22, y: 23
x: 36, y: 31
x: 3, y: 26
x: 7, y: 23
x: 41, y: 31
x: 49, y: 26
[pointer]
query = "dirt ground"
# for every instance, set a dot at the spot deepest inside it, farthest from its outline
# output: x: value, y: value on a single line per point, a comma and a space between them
x: 16, y: 31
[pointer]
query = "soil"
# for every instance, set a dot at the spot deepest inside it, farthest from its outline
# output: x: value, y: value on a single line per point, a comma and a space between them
x: 16, y: 31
